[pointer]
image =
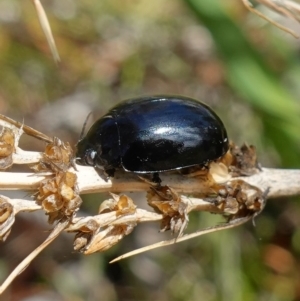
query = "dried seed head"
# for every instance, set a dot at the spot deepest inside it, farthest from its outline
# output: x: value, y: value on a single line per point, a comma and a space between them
x: 57, y: 157
x: 80, y: 241
x: 166, y: 201
x: 58, y: 195
x: 106, y: 238
x: 7, y: 148
x: 96, y: 238
x: 120, y: 204
x: 7, y: 217
x: 239, y: 199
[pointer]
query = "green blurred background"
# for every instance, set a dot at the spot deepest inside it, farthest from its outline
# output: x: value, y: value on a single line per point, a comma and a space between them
x: 215, y: 51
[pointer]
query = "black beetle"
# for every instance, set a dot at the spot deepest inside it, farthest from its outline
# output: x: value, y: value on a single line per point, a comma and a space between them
x: 154, y: 134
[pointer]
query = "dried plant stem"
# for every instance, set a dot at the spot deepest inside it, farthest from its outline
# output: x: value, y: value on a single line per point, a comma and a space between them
x: 139, y: 216
x: 279, y: 7
x: 164, y: 243
x: 11, y: 123
x: 249, y: 6
x: 281, y: 182
x: 291, y: 5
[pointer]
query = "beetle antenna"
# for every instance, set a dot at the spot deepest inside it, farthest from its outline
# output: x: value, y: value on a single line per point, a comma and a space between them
x: 84, y: 126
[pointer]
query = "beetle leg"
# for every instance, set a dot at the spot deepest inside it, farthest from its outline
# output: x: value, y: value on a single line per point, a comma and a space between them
x: 156, y: 179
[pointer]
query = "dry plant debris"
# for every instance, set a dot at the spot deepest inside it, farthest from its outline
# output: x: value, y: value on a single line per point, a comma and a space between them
x: 97, y: 237
x: 234, y: 187
x: 286, y: 8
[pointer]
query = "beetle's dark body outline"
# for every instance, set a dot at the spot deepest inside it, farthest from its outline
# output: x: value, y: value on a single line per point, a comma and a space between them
x: 154, y: 134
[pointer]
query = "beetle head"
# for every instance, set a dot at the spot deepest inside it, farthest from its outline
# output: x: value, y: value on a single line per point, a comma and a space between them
x: 85, y: 154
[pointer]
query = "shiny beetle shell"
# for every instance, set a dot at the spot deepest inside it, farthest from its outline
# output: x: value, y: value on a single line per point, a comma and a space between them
x: 154, y: 134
